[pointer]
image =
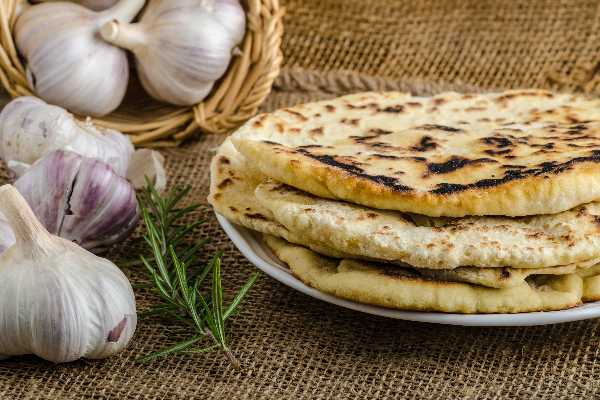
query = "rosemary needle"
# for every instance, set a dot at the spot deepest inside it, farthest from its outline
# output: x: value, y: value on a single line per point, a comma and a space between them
x: 178, y: 280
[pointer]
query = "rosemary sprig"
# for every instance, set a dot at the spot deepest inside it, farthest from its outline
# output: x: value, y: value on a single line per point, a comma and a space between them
x: 179, y: 281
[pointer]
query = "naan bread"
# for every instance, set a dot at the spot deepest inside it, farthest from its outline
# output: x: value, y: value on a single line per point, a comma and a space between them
x: 524, y: 242
x: 515, y: 153
x: 503, y: 277
x: 232, y: 186
x: 591, y: 288
x: 381, y: 285
x: 493, y: 277
x: 591, y: 282
x: 345, y: 230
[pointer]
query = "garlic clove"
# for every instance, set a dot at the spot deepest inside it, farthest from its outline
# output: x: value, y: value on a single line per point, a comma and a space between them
x: 181, y: 46
x: 30, y: 129
x: 146, y: 163
x: 80, y: 199
x: 109, y: 145
x: 68, y: 64
x: 60, y: 302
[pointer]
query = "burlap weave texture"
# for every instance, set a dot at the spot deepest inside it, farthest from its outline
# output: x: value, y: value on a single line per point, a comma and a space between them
x: 292, y: 346
x: 488, y: 43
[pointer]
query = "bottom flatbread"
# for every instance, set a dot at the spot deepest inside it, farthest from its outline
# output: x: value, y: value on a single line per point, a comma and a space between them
x: 591, y: 282
x: 399, y: 288
x: 502, y: 277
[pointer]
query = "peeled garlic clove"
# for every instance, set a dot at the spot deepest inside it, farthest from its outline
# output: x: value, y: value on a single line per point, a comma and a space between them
x: 181, y: 46
x: 59, y: 301
x: 147, y: 164
x: 30, y: 128
x: 68, y: 63
x: 80, y: 199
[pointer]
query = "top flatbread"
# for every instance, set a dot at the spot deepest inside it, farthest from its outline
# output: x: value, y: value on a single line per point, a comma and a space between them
x: 344, y: 230
x: 515, y: 153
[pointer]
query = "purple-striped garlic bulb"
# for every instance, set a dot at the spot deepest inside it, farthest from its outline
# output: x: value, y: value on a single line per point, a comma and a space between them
x: 80, y: 199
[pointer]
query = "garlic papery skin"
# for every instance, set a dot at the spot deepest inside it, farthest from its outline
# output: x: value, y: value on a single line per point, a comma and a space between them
x: 80, y: 199
x: 181, y: 46
x: 145, y: 165
x: 7, y: 237
x: 97, y: 5
x: 59, y: 301
x: 30, y: 129
x: 68, y: 63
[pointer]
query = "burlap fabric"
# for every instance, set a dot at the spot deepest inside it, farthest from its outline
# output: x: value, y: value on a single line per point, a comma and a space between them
x: 488, y: 43
x: 293, y: 346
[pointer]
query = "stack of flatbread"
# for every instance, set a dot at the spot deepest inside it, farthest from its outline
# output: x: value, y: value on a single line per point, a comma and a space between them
x: 454, y: 203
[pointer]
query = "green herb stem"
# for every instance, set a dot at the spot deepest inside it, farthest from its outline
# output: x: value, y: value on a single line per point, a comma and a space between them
x: 172, y: 264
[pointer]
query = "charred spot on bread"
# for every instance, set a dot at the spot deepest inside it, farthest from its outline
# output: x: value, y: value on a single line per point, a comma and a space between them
x: 445, y: 128
x: 426, y: 143
x: 455, y: 163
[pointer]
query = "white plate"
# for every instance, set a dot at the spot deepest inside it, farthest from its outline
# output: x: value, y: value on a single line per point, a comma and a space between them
x: 252, y: 247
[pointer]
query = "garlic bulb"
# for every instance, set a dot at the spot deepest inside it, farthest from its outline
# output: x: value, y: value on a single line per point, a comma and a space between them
x: 80, y: 199
x: 59, y: 301
x: 68, y: 63
x: 97, y: 5
x: 30, y: 129
x: 181, y: 46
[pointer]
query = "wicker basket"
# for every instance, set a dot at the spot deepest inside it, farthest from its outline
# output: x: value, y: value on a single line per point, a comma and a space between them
x: 236, y: 97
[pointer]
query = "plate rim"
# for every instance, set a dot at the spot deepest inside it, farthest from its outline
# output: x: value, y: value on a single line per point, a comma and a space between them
x: 241, y: 237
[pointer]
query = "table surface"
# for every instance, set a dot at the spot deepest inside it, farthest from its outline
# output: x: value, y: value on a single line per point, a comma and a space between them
x: 294, y: 346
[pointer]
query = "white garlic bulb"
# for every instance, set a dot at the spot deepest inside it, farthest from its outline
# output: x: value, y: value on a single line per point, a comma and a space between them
x: 30, y: 129
x: 80, y: 199
x: 181, y: 46
x: 68, y: 63
x: 59, y: 301
x: 97, y: 5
